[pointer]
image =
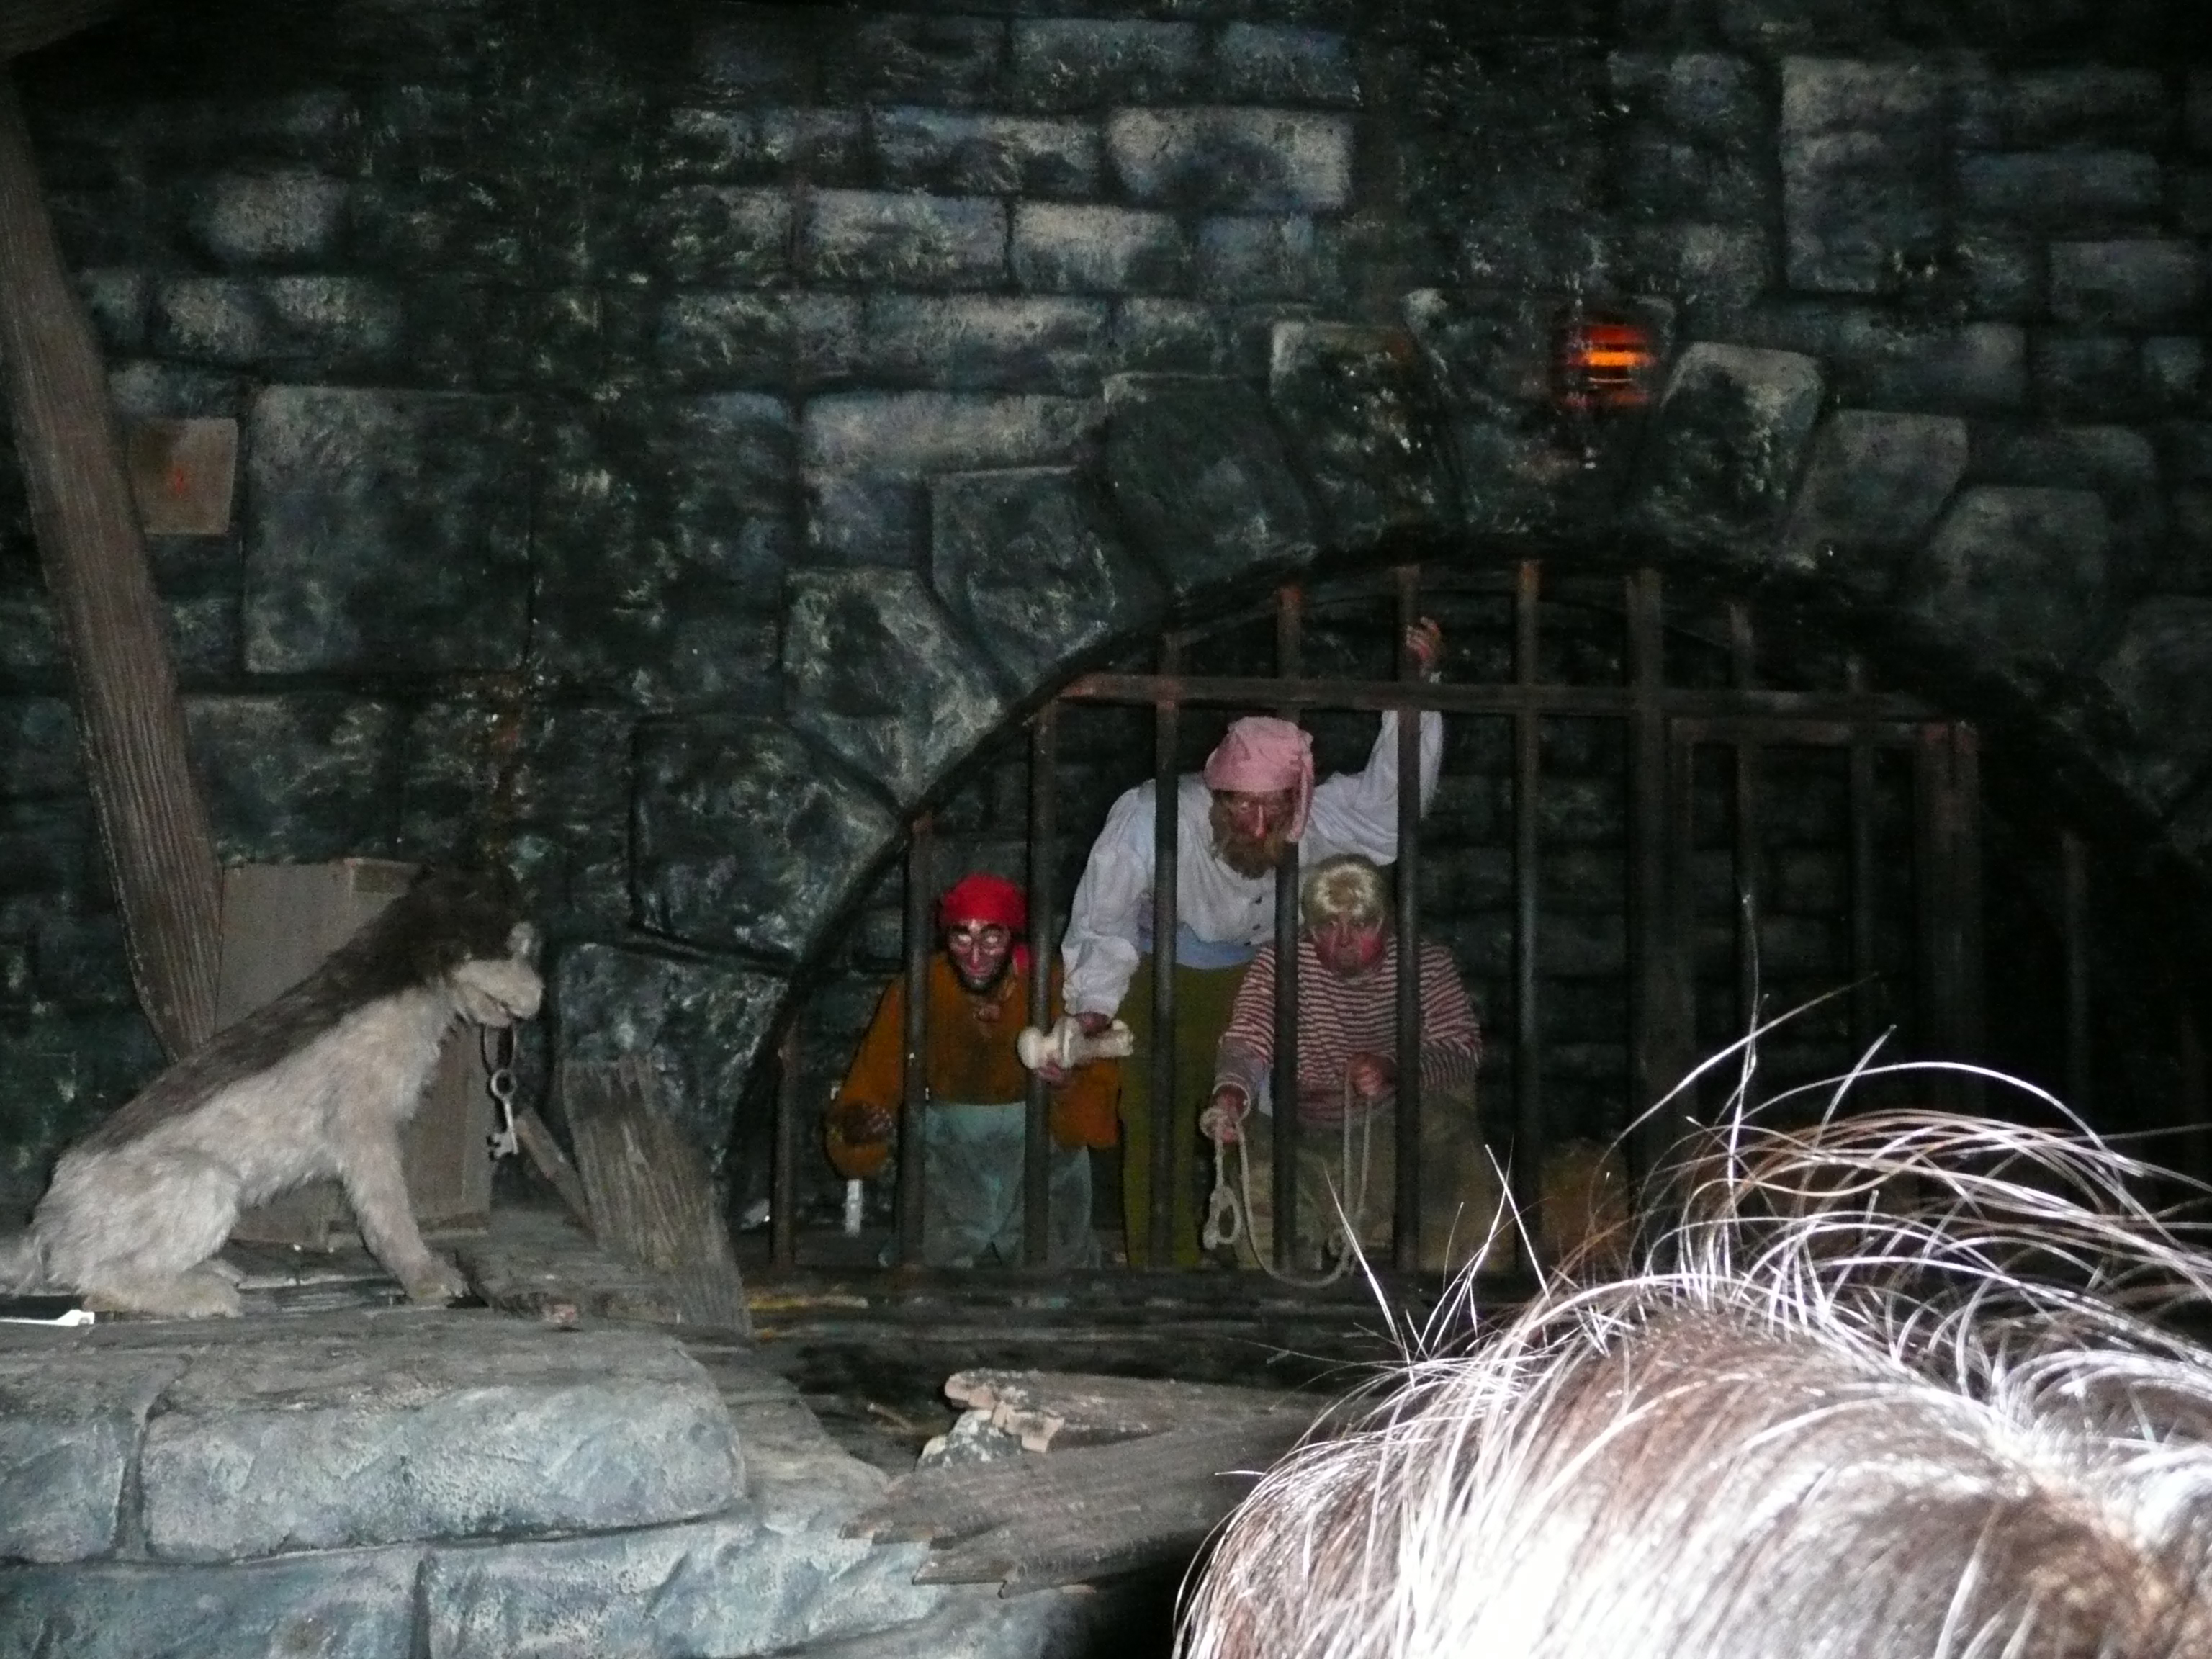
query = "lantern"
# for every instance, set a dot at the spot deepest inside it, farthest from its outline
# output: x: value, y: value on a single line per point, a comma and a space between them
x: 1603, y: 365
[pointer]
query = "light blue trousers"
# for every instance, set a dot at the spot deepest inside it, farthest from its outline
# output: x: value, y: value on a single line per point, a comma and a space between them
x: 971, y: 1173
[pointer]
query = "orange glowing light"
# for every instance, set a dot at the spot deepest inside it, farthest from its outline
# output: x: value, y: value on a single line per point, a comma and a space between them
x: 1605, y: 364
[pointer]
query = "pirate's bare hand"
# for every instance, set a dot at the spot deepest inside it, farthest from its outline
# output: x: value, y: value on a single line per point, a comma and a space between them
x: 862, y: 1123
x: 1371, y: 1076
x: 1221, y: 1121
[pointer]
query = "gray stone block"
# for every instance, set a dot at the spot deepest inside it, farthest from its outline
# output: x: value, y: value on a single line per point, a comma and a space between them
x: 2160, y: 671
x: 1861, y: 184
x: 247, y: 218
x: 69, y: 1423
x: 1700, y: 95
x: 569, y: 832
x: 2061, y: 191
x: 725, y: 235
x: 1352, y: 404
x: 385, y: 530
x: 956, y: 153
x: 769, y: 341
x: 346, y: 1605
x: 1093, y: 62
x: 1167, y: 336
x: 1872, y: 490
x: 951, y: 62
x: 297, y: 778
x: 739, y: 1585
x: 1098, y: 250
x: 422, y: 1429
x: 1198, y: 472
x: 2174, y: 371
x: 2083, y: 103
x: 1723, y: 452
x: 1877, y: 362
x: 1799, y: 25
x: 2115, y: 461
x: 903, y: 239
x: 1714, y: 271
x: 1251, y: 256
x: 1238, y: 160
x: 339, y: 322
x: 2002, y: 277
x: 1271, y: 63
x: 873, y: 519
x: 2087, y: 376
x: 39, y: 737
x: 877, y: 673
x: 702, y: 1021
x: 2127, y: 284
x: 117, y: 300
x: 986, y: 343
x: 744, y: 838
x: 2017, y: 575
x: 758, y: 54
x: 913, y: 433
x: 829, y: 146
x: 1030, y: 560
x: 729, y: 466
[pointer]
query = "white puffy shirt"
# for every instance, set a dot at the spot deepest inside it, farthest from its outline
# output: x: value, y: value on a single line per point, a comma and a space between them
x: 1110, y: 921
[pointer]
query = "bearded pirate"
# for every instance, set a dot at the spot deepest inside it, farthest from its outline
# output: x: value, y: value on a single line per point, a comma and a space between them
x: 973, y: 1128
x: 1255, y: 797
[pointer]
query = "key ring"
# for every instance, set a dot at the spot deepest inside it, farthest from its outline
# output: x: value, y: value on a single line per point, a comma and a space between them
x: 498, y: 1053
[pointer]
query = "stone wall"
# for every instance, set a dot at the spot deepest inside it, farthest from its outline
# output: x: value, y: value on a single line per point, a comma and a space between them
x: 673, y: 442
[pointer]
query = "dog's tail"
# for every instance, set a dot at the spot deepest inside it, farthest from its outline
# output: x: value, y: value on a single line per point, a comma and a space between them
x: 22, y: 1265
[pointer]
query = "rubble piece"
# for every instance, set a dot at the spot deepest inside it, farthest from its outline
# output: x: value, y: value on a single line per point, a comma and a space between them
x: 1066, y: 1409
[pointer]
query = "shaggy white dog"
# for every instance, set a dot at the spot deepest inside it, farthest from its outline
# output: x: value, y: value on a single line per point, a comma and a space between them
x: 316, y: 1084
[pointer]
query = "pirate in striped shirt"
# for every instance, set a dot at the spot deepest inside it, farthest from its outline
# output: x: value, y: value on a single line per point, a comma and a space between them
x: 1348, y: 1025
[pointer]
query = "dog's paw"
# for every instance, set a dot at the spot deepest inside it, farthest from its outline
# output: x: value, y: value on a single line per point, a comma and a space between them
x: 436, y: 1281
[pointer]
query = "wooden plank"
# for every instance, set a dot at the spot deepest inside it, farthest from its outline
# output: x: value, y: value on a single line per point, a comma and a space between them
x: 28, y: 25
x: 651, y: 1199
x: 1078, y: 1515
x: 152, y: 824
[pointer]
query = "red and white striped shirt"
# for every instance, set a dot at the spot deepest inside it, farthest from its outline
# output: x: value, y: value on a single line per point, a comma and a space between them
x: 1338, y: 1018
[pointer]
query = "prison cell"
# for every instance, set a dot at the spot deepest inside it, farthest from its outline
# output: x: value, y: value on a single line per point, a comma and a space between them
x: 1670, y: 730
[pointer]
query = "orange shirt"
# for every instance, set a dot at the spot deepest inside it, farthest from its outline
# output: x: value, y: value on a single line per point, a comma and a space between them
x: 968, y: 1056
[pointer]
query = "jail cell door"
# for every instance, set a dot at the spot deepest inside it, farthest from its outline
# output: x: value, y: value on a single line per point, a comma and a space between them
x: 1822, y: 878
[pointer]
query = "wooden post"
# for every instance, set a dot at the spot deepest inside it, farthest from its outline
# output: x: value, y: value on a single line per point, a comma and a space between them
x: 1652, y: 1055
x: 1527, y: 1170
x: 153, y: 824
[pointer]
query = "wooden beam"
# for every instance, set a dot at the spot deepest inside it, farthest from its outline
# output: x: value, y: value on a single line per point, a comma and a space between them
x: 152, y: 824
x: 27, y: 25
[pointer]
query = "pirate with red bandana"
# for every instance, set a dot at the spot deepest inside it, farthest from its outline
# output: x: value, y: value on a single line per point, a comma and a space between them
x: 973, y: 1125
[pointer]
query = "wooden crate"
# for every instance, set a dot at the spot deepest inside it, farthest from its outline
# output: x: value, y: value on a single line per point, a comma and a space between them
x: 279, y: 922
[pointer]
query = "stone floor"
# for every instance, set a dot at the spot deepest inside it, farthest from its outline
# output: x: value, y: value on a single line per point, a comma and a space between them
x: 334, y: 1475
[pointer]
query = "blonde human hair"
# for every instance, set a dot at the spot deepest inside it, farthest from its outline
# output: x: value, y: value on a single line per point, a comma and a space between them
x: 1894, y: 1388
x: 1344, y: 887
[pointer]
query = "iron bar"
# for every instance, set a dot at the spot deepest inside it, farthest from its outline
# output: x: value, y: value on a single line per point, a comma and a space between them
x: 1859, y: 808
x: 1406, y: 1237
x: 1934, y: 900
x: 1967, y: 884
x: 1290, y: 617
x: 1749, y: 900
x: 783, y: 1174
x: 1255, y: 692
x: 1651, y: 1065
x: 920, y: 942
x: 2073, y: 933
x: 1164, y: 855
x: 1528, y: 1169
x: 1036, y: 1125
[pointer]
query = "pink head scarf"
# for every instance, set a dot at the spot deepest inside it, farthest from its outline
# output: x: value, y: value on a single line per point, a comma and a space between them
x: 1260, y: 756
